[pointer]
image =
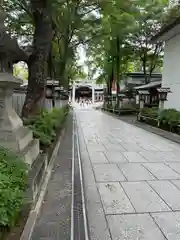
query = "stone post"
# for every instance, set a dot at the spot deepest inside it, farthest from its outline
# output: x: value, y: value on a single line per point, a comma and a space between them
x: 141, y: 104
x: 120, y: 103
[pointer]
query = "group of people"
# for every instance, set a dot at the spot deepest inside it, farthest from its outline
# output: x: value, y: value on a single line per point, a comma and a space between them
x: 83, y: 102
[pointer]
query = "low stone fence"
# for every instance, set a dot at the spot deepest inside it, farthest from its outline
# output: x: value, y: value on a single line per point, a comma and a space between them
x: 19, y: 97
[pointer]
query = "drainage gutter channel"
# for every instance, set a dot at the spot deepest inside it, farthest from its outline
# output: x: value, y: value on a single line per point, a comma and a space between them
x: 79, y: 230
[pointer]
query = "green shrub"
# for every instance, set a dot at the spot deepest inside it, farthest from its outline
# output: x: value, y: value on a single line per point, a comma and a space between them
x: 169, y: 117
x: 13, y: 182
x: 66, y: 108
x: 127, y: 110
x: 150, y: 112
x: 45, y: 124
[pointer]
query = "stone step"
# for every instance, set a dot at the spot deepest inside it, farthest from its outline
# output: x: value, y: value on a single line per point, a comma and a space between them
x: 31, y: 152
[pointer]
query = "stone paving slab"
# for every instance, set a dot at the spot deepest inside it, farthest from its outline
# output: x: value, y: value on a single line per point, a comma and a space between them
x: 135, y: 172
x: 161, y: 156
x: 168, y: 192
x: 176, y: 183
x: 97, y: 222
x: 96, y: 147
x: 177, y: 152
x: 114, y: 199
x: 144, y: 198
x: 108, y: 173
x: 174, y: 166
x: 97, y: 157
x: 171, y: 156
x: 148, y: 147
x: 114, y: 147
x: 134, y: 227
x: 152, y: 156
x: 169, y: 223
x: 131, y: 147
x: 161, y: 171
x: 115, y: 157
x: 134, y: 157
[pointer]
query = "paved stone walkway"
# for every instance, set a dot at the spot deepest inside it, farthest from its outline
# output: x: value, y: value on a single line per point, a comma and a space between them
x: 131, y: 180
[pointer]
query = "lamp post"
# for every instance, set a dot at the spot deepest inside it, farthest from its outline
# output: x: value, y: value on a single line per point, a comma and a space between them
x: 162, y: 96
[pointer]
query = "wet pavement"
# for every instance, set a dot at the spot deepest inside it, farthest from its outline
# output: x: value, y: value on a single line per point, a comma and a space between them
x: 131, y: 179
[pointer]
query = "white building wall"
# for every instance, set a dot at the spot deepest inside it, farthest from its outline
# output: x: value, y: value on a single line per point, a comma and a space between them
x: 171, y: 72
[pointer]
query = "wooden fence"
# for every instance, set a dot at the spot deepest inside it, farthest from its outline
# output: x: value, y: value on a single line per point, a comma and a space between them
x: 19, y: 97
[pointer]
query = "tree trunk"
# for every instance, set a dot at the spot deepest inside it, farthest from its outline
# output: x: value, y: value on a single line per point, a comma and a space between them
x: 117, y: 69
x: 62, y: 68
x: 43, y: 36
x: 111, y: 78
x: 51, y: 73
x: 144, y: 70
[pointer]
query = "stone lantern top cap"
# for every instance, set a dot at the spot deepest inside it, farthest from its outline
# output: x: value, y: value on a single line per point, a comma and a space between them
x: 7, y: 80
x: 143, y: 92
x: 164, y: 90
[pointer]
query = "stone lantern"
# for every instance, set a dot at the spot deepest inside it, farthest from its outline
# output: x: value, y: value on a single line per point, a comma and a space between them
x: 13, y: 134
x: 142, y: 97
x: 163, y: 96
x: 120, y: 99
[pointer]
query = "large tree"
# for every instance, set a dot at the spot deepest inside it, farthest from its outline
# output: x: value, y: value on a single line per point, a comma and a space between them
x: 43, y: 36
x: 147, y: 22
x: 110, y: 54
x: 128, y: 27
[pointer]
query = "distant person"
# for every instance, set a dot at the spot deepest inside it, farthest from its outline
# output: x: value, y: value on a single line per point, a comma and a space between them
x: 81, y: 102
